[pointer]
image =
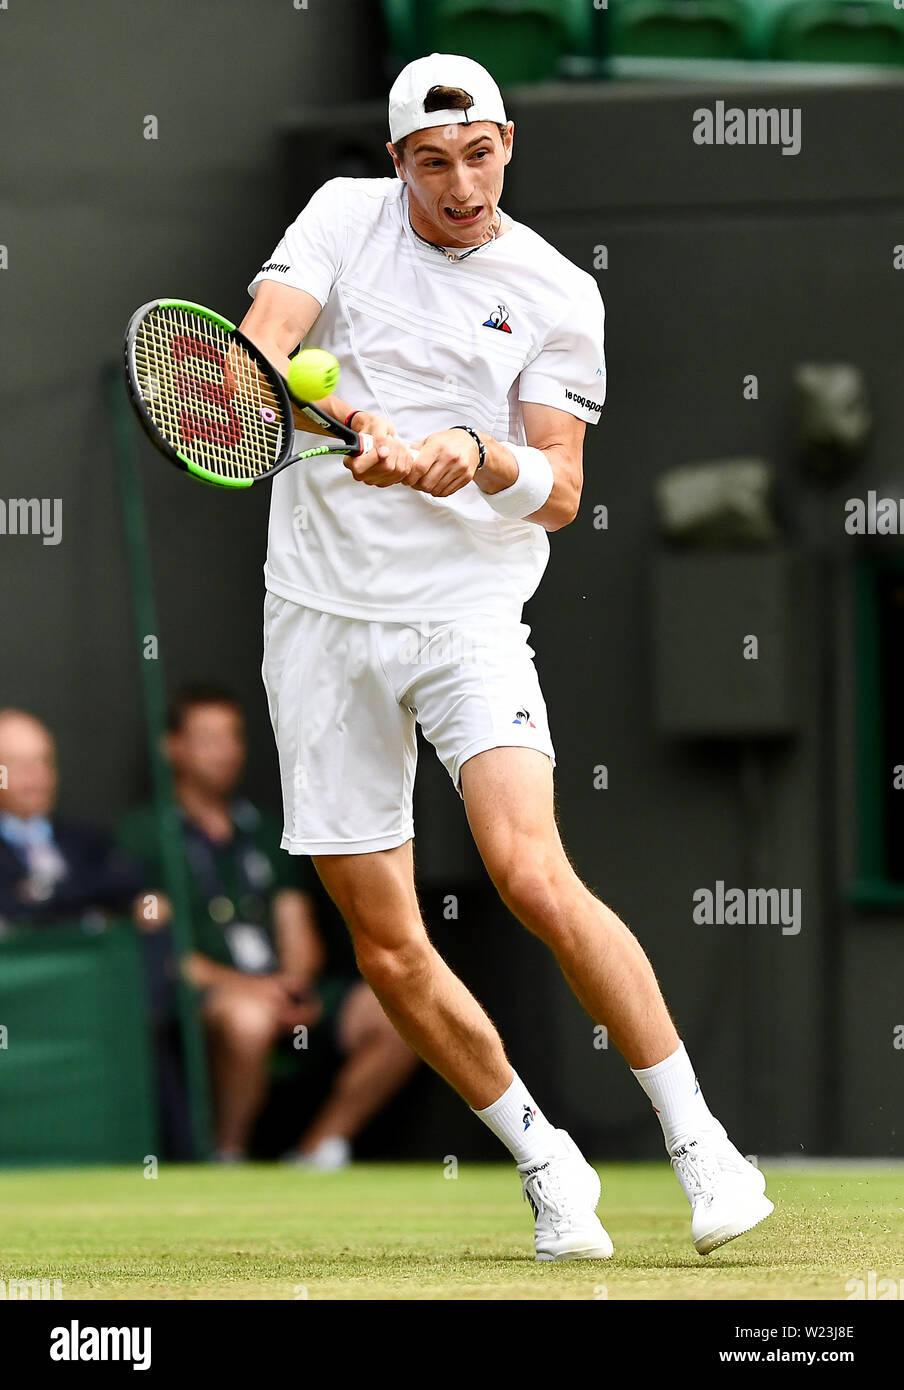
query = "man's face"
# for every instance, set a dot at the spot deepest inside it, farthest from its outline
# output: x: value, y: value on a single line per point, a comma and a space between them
x: 27, y: 753
x: 454, y: 175
x: 208, y: 752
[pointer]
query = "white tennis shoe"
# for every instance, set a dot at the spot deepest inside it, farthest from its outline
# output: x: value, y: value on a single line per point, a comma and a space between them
x: 563, y: 1192
x: 727, y: 1194
x: 329, y: 1156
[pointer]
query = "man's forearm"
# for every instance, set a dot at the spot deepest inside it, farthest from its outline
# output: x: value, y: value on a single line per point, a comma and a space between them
x: 500, y: 467
x: 299, y: 956
x: 333, y: 405
x: 500, y: 471
x: 298, y: 942
x: 337, y: 407
x: 203, y: 972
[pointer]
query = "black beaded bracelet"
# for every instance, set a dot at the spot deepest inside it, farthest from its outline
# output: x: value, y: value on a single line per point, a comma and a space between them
x: 480, y: 444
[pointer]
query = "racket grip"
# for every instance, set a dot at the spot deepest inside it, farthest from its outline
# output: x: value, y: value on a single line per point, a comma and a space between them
x: 366, y: 443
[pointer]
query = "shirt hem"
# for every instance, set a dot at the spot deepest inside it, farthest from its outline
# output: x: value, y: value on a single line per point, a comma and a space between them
x: 380, y: 613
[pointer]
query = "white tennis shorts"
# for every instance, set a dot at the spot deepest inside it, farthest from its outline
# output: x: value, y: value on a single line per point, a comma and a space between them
x: 345, y: 694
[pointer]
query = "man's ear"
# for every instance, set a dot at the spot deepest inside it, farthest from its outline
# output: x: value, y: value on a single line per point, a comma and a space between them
x: 509, y: 145
x: 395, y: 159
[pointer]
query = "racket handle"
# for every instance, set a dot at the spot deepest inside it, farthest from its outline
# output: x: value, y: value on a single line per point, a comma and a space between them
x: 366, y: 443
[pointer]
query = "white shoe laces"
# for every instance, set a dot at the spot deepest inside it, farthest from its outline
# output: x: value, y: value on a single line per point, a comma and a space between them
x: 698, y: 1172
x: 553, y: 1199
x: 700, y: 1169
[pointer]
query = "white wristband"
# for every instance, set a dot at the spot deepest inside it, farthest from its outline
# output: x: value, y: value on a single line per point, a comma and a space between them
x: 530, y: 489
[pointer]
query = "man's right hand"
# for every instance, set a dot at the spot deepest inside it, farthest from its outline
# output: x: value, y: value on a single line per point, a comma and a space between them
x: 388, y: 462
x: 279, y: 992
x: 272, y: 989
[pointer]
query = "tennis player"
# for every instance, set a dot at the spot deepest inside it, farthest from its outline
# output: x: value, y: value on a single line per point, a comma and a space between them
x: 395, y: 588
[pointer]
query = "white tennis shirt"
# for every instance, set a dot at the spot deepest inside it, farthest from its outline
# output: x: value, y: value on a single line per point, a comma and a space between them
x: 427, y: 343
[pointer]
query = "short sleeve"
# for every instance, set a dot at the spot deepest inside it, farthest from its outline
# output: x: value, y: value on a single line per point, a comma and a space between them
x: 309, y: 256
x: 569, y: 371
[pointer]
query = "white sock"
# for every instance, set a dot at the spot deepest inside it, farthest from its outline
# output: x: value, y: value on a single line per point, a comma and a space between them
x: 675, y: 1095
x: 518, y: 1121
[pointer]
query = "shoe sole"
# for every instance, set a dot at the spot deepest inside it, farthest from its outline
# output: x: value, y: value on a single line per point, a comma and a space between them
x: 704, y: 1245
x: 596, y: 1254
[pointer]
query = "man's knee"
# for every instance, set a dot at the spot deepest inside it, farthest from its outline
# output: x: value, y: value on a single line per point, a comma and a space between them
x: 539, y: 889
x: 392, y: 966
x: 240, y: 1019
x: 388, y: 936
x: 376, y: 896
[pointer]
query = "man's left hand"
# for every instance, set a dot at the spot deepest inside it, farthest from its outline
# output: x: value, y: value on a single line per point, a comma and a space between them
x: 446, y: 462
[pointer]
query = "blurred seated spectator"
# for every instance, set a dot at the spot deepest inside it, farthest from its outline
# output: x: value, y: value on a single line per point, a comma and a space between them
x: 50, y: 869
x: 259, y: 960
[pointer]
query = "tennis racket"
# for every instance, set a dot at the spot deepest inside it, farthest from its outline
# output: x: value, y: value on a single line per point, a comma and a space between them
x: 210, y: 401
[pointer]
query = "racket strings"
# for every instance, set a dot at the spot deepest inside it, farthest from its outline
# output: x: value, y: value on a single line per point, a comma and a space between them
x: 207, y: 396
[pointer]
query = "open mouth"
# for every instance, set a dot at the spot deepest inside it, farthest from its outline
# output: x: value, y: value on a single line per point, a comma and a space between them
x: 463, y: 217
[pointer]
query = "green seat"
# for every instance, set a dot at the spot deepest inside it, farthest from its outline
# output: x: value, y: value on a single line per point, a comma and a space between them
x: 76, y: 1070
x: 517, y: 40
x: 719, y: 29
x: 838, y: 31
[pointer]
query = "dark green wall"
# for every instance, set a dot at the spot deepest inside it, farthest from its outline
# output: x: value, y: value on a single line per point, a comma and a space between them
x: 725, y: 262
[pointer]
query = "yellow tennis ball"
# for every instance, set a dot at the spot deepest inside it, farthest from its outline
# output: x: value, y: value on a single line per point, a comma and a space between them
x: 313, y: 374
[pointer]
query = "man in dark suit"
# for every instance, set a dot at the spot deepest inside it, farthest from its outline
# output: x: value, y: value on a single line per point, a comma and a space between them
x: 50, y: 870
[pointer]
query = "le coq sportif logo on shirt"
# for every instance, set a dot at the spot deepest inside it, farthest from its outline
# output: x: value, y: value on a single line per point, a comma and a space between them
x: 499, y: 319
x: 274, y: 265
x: 582, y: 400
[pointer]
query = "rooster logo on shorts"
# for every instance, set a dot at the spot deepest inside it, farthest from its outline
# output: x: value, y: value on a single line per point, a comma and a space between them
x: 523, y: 717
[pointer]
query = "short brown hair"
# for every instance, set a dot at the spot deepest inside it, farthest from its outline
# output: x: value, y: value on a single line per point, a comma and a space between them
x: 199, y: 696
x: 444, y: 99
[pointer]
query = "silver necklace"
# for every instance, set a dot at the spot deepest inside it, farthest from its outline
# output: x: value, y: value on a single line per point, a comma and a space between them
x: 458, y: 255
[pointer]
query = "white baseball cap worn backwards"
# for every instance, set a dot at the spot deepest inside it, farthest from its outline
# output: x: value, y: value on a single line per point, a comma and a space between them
x: 409, y: 92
